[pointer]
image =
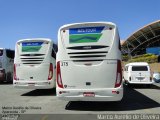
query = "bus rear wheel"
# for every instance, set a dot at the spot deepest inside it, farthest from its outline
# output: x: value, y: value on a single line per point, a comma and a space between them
x: 8, y: 77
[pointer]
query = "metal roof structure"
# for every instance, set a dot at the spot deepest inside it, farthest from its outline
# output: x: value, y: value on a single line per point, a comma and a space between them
x: 147, y: 36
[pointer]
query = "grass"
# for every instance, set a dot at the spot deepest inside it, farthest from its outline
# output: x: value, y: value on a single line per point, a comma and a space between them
x: 155, y: 67
x: 149, y: 58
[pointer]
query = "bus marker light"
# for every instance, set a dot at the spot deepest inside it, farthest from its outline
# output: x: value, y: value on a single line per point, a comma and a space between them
x: 110, y: 28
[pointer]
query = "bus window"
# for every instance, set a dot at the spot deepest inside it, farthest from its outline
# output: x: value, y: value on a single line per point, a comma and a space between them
x: 10, y: 54
x: 53, y: 54
x: 1, y: 52
x: 55, y: 47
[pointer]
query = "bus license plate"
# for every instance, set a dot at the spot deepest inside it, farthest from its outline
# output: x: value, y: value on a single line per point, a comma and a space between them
x: 88, y: 94
x: 140, y: 78
x: 31, y: 84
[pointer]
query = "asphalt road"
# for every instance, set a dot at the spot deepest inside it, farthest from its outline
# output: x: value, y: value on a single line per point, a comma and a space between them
x: 137, y: 100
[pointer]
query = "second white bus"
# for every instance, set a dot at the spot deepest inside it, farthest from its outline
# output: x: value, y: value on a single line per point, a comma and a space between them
x: 35, y: 64
x: 89, y: 62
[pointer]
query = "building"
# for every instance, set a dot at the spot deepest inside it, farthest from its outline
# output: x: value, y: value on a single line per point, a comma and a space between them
x: 145, y: 40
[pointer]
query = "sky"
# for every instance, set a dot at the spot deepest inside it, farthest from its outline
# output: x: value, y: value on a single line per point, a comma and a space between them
x: 21, y: 19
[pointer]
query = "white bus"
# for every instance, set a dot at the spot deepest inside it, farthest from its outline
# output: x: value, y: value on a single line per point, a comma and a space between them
x: 35, y: 64
x: 89, y: 62
x: 6, y: 65
x: 137, y: 73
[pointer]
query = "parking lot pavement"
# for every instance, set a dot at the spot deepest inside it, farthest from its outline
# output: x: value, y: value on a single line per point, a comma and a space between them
x: 136, y: 100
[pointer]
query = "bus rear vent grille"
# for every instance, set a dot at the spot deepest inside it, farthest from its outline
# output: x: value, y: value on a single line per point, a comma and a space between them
x: 87, y: 56
x: 32, y: 59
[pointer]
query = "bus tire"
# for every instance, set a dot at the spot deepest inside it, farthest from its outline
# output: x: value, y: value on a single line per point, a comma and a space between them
x: 125, y: 82
x: 8, y: 77
x: 3, y: 79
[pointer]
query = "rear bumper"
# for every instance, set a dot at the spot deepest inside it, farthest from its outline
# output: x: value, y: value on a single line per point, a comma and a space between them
x: 104, y: 94
x: 135, y: 82
x: 34, y: 85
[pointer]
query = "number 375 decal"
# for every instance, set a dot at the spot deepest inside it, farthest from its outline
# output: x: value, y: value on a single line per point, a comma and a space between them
x: 64, y: 63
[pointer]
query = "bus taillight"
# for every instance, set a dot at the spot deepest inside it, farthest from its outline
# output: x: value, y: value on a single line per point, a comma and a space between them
x: 14, y: 72
x: 59, y: 78
x: 50, y: 75
x: 119, y: 74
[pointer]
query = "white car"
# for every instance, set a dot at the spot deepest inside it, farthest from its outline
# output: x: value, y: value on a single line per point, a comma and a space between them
x: 137, y: 73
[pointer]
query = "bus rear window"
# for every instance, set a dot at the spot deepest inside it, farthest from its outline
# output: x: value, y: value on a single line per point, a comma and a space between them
x: 31, y: 46
x: 139, y: 68
x: 1, y: 52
